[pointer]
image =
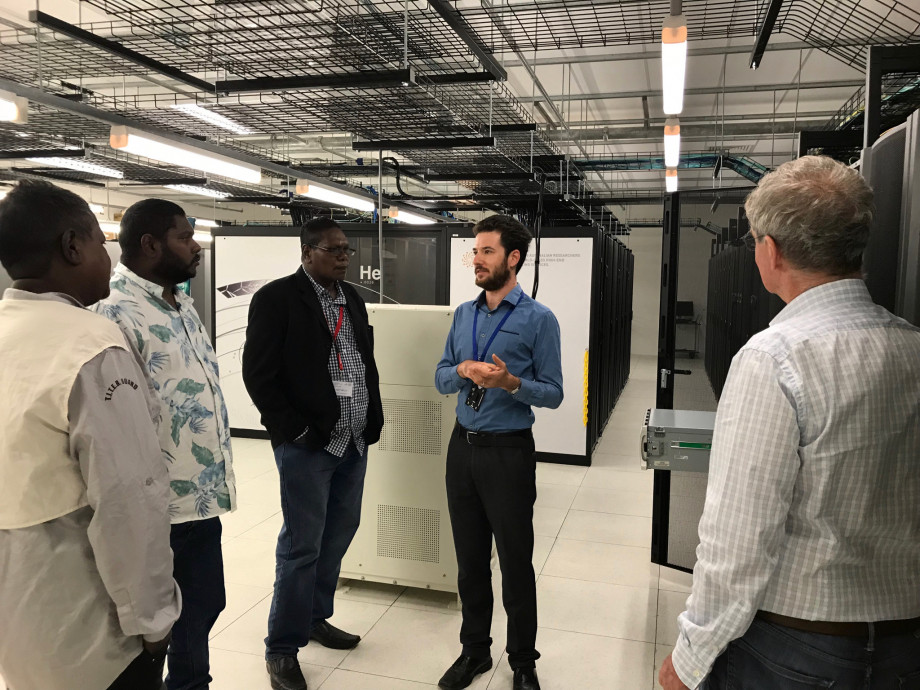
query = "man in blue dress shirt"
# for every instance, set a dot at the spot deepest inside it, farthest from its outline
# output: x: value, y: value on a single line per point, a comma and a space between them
x: 502, y: 357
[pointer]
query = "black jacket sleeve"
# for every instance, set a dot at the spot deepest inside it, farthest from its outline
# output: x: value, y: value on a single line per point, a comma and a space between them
x: 263, y: 361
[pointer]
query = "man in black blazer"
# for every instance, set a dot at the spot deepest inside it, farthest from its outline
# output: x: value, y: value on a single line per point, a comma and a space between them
x: 308, y: 365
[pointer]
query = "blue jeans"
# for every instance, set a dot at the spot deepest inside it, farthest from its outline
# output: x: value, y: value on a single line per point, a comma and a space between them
x: 198, y: 568
x: 774, y: 657
x: 321, y: 504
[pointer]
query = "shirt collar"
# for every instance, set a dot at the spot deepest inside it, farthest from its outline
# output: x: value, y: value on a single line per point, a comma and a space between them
x: 14, y: 294
x: 837, y: 292
x: 322, y: 292
x: 511, y: 298
x: 148, y: 286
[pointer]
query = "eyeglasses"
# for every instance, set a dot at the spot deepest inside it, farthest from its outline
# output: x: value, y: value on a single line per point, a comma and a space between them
x: 336, y: 251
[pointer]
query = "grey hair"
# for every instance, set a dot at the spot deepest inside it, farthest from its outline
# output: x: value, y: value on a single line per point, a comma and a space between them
x: 818, y: 211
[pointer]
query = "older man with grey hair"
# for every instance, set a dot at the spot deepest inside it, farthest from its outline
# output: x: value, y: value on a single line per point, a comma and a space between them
x: 808, y: 571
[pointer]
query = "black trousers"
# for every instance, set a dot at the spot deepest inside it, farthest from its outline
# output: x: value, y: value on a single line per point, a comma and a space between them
x: 491, y: 491
x: 198, y: 567
x: 144, y: 673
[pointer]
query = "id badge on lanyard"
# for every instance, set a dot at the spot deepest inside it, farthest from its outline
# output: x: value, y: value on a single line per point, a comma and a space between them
x: 477, y: 393
x: 343, y: 389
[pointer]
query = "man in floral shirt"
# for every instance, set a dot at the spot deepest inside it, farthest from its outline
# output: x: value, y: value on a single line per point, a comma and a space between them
x: 158, y: 253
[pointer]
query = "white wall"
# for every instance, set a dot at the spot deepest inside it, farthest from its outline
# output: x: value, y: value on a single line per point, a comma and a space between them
x: 645, y: 244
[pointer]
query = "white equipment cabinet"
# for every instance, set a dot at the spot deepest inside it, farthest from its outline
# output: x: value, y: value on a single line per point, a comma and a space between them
x: 405, y: 536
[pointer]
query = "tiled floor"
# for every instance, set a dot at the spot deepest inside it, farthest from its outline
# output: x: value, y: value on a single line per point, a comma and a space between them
x: 607, y: 615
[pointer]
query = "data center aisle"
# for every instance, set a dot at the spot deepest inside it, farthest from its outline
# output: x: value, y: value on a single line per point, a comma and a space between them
x: 606, y: 613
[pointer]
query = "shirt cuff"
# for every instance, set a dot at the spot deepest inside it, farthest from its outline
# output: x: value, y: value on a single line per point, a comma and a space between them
x: 529, y: 394
x: 689, y: 668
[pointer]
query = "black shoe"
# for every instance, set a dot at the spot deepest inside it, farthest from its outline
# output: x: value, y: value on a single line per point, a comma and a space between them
x: 285, y: 674
x: 526, y: 679
x: 463, y: 671
x: 333, y: 638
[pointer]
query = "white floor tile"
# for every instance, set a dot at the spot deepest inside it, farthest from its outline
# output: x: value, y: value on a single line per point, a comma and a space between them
x: 541, y: 550
x: 670, y: 606
x: 349, y: 680
x: 410, y: 644
x: 547, y: 521
x: 675, y: 580
x: 247, y: 634
x: 626, y: 530
x: 597, y: 608
x: 610, y: 501
x: 570, y: 475
x: 240, y: 671
x: 596, y: 562
x: 615, y: 461
x: 267, y: 530
x: 573, y: 661
x: 556, y: 495
x: 618, y: 480
x: 240, y: 599
x: 249, y: 562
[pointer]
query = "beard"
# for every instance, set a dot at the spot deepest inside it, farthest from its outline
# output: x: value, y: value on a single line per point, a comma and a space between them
x: 495, y: 280
x: 174, y: 269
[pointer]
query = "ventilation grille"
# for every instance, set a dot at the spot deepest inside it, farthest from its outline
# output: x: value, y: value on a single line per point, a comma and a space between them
x: 412, y: 426
x: 411, y: 534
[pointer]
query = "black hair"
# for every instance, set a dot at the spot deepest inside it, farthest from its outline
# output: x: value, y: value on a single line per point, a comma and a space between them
x: 513, y: 235
x: 148, y: 217
x: 33, y: 216
x: 312, y: 231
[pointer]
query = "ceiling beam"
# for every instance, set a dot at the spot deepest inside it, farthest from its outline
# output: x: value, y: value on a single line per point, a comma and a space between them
x: 707, y: 131
x: 419, y: 144
x: 358, y: 80
x: 460, y: 26
x: 766, y: 30
x: 114, y: 48
x: 703, y: 91
x: 655, y: 53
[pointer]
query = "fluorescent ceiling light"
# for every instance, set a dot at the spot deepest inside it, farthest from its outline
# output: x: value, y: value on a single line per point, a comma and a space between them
x: 109, y: 227
x: 79, y: 165
x: 3, y: 193
x: 166, y: 151
x: 13, y: 108
x: 213, y: 118
x: 671, y: 142
x: 96, y: 208
x: 204, y: 223
x: 670, y: 180
x: 332, y: 196
x: 411, y: 218
x: 673, y: 63
x: 203, y: 237
x: 195, y: 189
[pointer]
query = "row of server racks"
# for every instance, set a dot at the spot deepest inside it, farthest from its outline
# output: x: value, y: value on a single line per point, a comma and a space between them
x: 611, y: 338
x: 738, y: 305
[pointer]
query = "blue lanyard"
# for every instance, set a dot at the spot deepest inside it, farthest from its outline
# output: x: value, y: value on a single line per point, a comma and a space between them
x: 494, y: 333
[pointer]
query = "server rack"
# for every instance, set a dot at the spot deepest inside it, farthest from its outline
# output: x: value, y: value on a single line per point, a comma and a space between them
x: 611, y: 338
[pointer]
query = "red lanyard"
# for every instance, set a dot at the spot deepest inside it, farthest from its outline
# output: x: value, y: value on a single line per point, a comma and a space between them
x: 335, y: 336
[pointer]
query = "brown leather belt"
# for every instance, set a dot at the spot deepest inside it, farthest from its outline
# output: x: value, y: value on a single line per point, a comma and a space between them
x: 842, y: 629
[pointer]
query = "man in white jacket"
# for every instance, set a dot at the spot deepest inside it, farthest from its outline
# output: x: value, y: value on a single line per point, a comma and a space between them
x: 87, y: 596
